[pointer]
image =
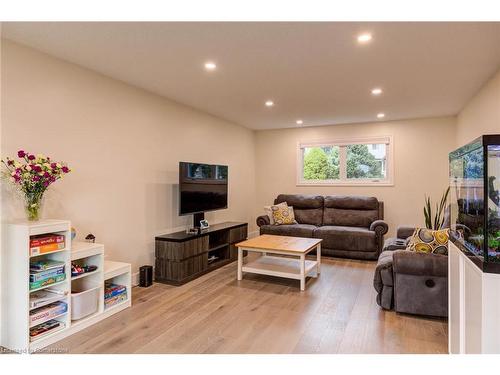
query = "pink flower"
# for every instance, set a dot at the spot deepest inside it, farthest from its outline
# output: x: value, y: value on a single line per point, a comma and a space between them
x: 53, y: 165
x: 21, y: 154
x: 46, y: 175
x: 31, y: 157
x: 65, y: 169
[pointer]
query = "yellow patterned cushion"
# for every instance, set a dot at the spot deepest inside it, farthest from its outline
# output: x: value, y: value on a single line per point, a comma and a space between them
x: 269, y: 212
x: 429, y: 241
x: 282, y: 214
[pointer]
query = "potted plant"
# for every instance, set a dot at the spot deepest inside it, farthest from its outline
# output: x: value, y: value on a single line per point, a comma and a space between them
x: 437, y: 221
x: 32, y: 175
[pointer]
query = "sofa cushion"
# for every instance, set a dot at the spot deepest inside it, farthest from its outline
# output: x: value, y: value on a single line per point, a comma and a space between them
x: 351, y: 211
x: 308, y: 209
x: 294, y: 230
x: 269, y: 212
x: 346, y: 238
x: 283, y: 214
x: 429, y: 241
x: 394, y: 243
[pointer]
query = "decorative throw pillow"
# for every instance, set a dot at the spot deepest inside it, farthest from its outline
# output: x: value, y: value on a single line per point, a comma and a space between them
x: 282, y: 214
x: 429, y: 241
x: 269, y: 212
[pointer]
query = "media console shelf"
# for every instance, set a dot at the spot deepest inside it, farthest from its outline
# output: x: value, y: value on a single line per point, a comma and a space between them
x: 182, y: 257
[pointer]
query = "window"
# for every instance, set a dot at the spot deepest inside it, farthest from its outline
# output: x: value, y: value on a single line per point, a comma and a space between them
x: 346, y: 162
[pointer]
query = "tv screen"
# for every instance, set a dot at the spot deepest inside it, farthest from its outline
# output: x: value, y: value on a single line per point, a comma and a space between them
x: 202, y: 187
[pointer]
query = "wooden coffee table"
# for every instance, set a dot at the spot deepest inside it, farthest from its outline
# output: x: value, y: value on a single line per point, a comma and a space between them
x: 294, y: 266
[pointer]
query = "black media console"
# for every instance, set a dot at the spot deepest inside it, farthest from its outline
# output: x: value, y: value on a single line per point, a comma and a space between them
x: 182, y: 257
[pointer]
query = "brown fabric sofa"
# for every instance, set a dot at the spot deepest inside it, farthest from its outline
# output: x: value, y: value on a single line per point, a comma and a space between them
x: 350, y: 226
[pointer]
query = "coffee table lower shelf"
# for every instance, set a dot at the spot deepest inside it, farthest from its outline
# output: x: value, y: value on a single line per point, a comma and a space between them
x: 279, y: 266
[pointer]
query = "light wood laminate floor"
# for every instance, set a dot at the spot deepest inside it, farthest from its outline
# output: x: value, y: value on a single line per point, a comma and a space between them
x: 260, y: 314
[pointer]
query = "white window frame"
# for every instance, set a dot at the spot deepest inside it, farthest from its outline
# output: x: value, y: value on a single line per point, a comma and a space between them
x: 342, y: 143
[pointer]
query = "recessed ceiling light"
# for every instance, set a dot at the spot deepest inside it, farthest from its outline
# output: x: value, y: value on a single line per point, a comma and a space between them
x: 364, y: 38
x: 269, y: 103
x: 377, y: 91
x: 299, y: 122
x: 380, y: 115
x: 209, y: 65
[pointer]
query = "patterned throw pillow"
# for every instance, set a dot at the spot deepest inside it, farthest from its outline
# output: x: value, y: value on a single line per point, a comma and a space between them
x: 282, y: 214
x: 429, y: 241
x: 269, y: 212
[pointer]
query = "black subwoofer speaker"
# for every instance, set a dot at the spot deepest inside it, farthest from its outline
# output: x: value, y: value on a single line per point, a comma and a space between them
x: 145, y: 276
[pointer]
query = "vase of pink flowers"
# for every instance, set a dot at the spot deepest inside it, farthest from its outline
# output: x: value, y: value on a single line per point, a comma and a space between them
x: 32, y: 175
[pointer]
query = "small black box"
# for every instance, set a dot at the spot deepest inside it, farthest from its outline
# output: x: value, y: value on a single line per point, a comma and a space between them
x: 145, y: 276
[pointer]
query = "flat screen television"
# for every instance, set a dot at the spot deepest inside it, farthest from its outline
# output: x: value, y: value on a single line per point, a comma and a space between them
x: 202, y: 188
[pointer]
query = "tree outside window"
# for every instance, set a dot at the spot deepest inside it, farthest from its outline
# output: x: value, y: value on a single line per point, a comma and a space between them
x: 345, y: 162
x: 361, y: 163
x: 321, y: 163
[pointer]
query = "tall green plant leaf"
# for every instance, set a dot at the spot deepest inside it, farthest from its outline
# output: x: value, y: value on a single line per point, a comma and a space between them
x: 435, y: 221
x: 428, y: 213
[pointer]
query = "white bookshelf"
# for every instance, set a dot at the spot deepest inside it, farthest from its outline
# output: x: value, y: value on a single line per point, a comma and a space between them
x: 16, y: 289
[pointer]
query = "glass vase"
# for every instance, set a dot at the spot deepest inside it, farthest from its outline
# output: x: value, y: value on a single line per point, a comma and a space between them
x: 33, y: 206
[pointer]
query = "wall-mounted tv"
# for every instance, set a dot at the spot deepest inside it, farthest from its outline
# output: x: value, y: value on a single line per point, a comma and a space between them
x: 202, y: 187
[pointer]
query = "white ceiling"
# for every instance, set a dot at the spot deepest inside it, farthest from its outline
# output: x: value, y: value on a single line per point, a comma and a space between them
x: 313, y: 71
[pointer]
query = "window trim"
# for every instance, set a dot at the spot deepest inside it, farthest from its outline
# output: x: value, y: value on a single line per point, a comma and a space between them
x: 343, y: 181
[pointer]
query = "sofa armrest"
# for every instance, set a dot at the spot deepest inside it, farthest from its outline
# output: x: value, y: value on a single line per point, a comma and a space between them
x: 263, y: 220
x: 383, y: 280
x: 419, y: 264
x: 405, y: 231
x: 380, y: 227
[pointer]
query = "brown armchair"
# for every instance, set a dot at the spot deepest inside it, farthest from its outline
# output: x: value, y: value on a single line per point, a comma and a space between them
x: 410, y: 282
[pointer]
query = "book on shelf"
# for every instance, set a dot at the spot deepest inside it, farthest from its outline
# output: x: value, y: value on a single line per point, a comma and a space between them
x: 46, y: 282
x: 46, y: 239
x: 44, y: 297
x: 44, y: 249
x: 45, y: 329
x: 41, y: 275
x: 45, y: 313
x: 111, y: 290
x: 108, y: 302
x: 45, y: 264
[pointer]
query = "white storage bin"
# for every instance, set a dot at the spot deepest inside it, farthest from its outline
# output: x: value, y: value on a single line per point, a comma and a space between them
x: 84, y: 303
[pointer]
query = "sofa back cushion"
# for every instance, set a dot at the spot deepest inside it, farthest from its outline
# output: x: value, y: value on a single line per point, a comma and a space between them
x: 308, y: 209
x: 350, y: 211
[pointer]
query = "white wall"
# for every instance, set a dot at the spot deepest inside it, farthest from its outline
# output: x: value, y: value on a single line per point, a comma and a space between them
x: 481, y: 115
x: 421, y: 150
x: 124, y: 145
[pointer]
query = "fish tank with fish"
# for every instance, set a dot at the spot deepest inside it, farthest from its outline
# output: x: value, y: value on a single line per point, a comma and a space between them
x: 475, y: 201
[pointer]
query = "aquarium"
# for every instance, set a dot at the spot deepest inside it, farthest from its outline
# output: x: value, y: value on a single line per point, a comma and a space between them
x: 475, y: 201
